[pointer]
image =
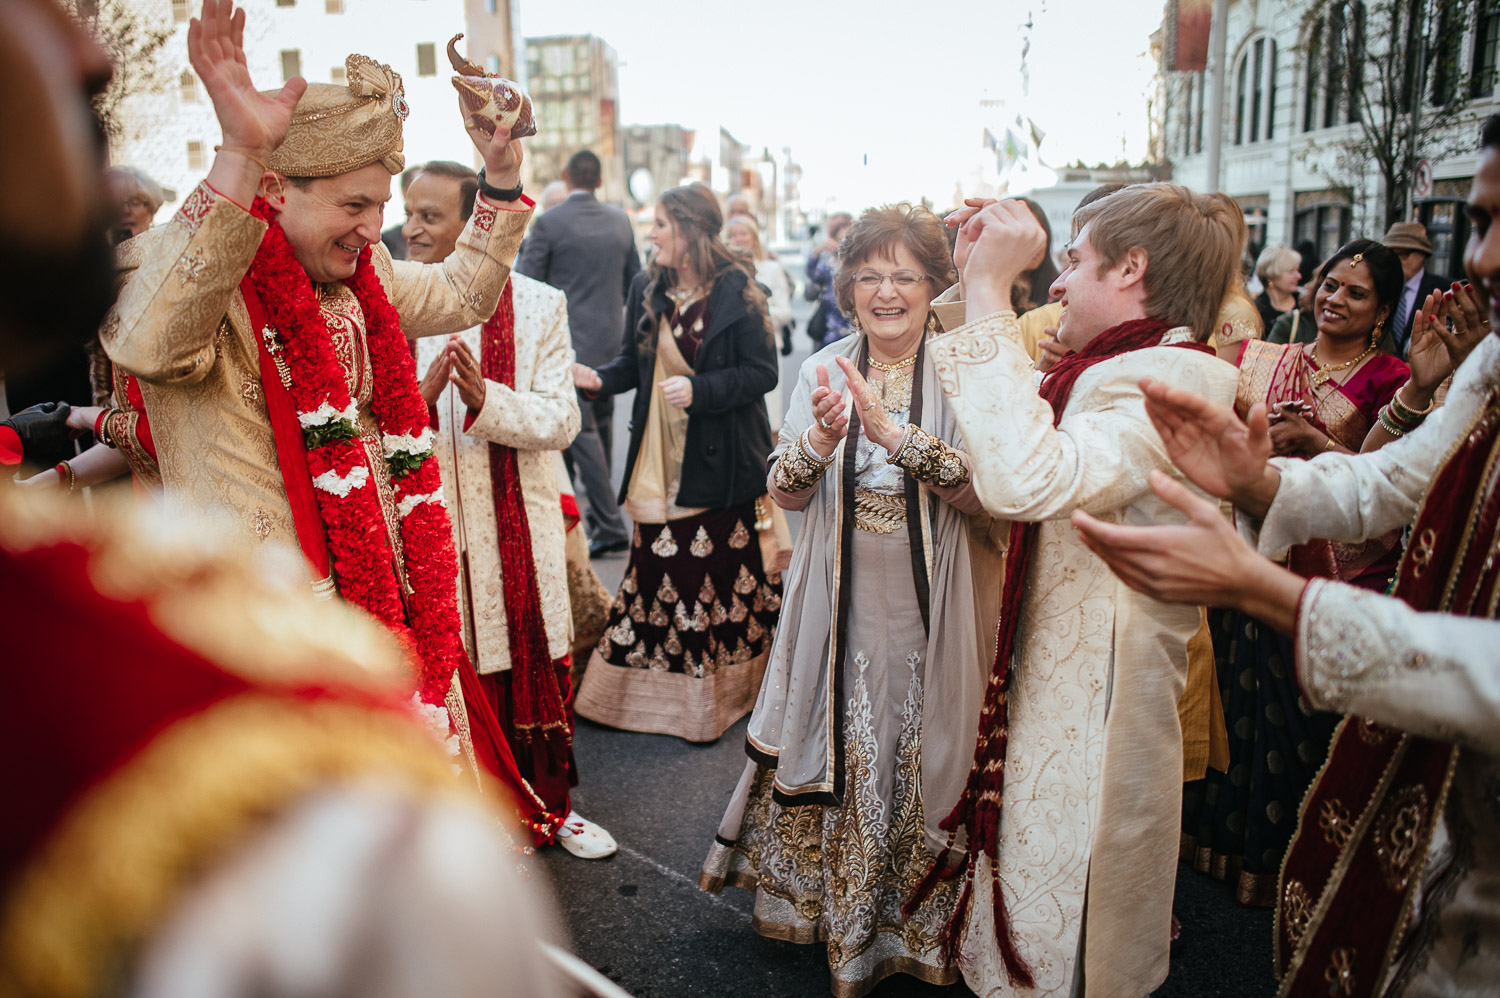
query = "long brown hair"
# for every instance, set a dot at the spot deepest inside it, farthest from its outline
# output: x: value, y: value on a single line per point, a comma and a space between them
x: 695, y: 215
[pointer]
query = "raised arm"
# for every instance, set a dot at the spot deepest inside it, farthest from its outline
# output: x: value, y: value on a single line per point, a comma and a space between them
x: 1025, y: 468
x: 544, y: 415
x: 435, y: 299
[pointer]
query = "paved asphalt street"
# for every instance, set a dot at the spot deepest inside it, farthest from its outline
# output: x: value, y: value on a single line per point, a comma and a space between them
x: 640, y: 918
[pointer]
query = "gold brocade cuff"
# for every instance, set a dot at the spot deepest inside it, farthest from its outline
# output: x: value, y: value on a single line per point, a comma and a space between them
x: 799, y: 468
x: 928, y: 459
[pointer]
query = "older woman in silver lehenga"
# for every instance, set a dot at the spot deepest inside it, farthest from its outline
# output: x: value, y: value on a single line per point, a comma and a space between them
x: 872, y: 694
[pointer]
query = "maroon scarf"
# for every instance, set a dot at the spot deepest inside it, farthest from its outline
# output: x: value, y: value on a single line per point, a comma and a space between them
x: 536, y: 698
x: 978, y: 808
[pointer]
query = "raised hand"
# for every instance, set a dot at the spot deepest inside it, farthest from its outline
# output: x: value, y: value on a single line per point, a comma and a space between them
x: 877, y: 423
x: 464, y: 373
x: 251, y: 122
x: 1005, y: 238
x: 1469, y: 311
x: 830, y: 418
x: 956, y: 220
x: 501, y: 154
x: 1213, y: 448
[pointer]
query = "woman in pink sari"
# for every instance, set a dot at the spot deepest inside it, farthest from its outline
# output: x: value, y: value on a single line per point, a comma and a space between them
x: 1324, y: 395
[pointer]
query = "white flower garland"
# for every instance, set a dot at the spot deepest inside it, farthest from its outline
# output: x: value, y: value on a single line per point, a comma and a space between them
x: 330, y: 481
x: 409, y: 503
x: 419, y: 445
x: 325, y: 414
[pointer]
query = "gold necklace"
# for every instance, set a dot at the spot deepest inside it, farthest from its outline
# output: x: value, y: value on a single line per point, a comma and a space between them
x: 1324, y: 374
x: 888, y: 368
x: 684, y: 298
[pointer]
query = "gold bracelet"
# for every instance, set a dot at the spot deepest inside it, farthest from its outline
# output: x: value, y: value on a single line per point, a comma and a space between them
x: 927, y: 459
x: 67, y: 468
x: 799, y: 468
x: 1330, y: 445
x: 254, y: 159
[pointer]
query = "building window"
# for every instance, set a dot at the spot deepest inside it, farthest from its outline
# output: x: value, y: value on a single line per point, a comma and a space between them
x: 1310, y: 90
x: 1326, y: 226
x: 286, y: 3
x: 338, y: 74
x: 1187, y: 114
x: 489, y: 6
x: 333, y: 6
x: 1333, y: 80
x: 1198, y: 113
x: 195, y: 155
x: 291, y: 64
x: 426, y: 59
x: 187, y: 84
x: 1255, y: 97
x: 181, y: 12
x: 1448, y: 57
x: 492, y: 63
x: 1486, y: 35
x: 1239, y: 102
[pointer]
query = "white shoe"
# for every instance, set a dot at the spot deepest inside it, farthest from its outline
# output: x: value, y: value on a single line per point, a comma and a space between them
x: 585, y: 839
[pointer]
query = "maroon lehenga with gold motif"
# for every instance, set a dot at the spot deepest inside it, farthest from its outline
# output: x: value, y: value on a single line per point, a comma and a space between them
x: 690, y: 629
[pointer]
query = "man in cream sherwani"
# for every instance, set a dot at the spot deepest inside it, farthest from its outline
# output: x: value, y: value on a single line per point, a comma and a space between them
x: 1090, y: 779
x: 537, y: 417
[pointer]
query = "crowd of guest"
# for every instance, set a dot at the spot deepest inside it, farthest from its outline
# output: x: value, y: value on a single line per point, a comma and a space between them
x: 1015, y: 663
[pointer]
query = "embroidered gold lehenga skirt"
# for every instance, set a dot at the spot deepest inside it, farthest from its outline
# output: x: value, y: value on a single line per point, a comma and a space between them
x: 689, y: 632
x: 839, y: 875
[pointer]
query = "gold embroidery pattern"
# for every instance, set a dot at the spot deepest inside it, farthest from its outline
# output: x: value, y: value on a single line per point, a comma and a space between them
x: 740, y: 537
x: 1340, y: 972
x: 1296, y: 910
x: 701, y: 547
x: 666, y: 592
x: 1370, y: 732
x: 260, y: 523
x: 664, y: 546
x: 879, y: 512
x: 798, y: 468
x: 658, y: 617
x: 250, y: 393
x: 928, y: 459
x: 744, y: 583
x: 1337, y: 826
x: 738, y: 611
x: 1398, y: 833
x: 637, y: 612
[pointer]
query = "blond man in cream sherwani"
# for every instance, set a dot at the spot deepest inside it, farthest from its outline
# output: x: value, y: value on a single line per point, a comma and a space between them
x: 1081, y: 750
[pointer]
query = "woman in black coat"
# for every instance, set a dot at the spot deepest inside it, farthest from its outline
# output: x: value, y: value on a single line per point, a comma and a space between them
x: 690, y: 630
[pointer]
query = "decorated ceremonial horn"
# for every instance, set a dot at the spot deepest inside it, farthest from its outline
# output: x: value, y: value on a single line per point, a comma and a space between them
x: 487, y: 99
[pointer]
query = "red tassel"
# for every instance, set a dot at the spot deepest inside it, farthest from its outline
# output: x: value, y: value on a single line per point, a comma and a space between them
x: 1016, y: 968
x: 929, y: 882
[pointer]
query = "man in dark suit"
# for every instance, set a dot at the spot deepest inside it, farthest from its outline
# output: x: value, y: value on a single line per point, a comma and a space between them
x: 587, y: 249
x: 1409, y: 240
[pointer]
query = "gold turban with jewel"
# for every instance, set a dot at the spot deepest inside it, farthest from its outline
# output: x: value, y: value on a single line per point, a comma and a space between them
x: 337, y: 129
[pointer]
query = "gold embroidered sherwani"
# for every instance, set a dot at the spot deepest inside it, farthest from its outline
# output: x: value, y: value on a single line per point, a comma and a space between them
x: 1093, y: 780
x: 538, y: 418
x: 180, y: 326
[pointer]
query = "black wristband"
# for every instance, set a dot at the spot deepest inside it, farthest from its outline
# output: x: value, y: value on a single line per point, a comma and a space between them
x: 498, y: 193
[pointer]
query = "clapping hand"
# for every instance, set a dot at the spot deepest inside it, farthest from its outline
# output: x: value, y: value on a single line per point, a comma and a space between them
x: 830, y: 420
x: 1292, y: 434
x: 463, y: 372
x: 436, y: 379
x: 1213, y: 448
x: 878, y: 426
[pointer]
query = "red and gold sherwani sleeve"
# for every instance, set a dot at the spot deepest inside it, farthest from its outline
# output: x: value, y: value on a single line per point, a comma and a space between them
x: 179, y: 281
x: 435, y: 299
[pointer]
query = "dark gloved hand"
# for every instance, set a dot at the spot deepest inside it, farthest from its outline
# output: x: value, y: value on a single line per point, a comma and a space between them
x: 42, y: 428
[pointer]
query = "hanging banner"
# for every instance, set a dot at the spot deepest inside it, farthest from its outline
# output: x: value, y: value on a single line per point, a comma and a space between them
x: 1188, y: 24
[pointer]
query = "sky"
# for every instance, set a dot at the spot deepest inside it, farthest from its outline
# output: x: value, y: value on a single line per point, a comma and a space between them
x: 879, y: 101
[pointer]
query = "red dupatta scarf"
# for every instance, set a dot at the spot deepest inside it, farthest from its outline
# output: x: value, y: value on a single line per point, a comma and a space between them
x: 1353, y: 870
x: 536, y: 698
x: 978, y: 809
x: 332, y: 488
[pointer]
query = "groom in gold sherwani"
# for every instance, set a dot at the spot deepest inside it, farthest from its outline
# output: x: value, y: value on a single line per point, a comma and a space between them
x: 1072, y: 807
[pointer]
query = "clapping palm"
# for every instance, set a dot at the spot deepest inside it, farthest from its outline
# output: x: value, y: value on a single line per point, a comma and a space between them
x: 251, y: 122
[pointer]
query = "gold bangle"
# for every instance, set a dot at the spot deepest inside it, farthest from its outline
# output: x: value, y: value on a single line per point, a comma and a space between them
x: 1330, y: 445
x: 928, y: 459
x: 72, y: 477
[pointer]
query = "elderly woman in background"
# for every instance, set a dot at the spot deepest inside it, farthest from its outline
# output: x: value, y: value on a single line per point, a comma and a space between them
x: 1280, y: 273
x: 138, y: 196
x: 743, y: 236
x: 688, y: 635
x: 1326, y: 395
x: 870, y: 703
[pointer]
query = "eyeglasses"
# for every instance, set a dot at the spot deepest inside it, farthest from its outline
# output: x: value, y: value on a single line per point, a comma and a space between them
x: 871, y: 280
x: 138, y: 204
